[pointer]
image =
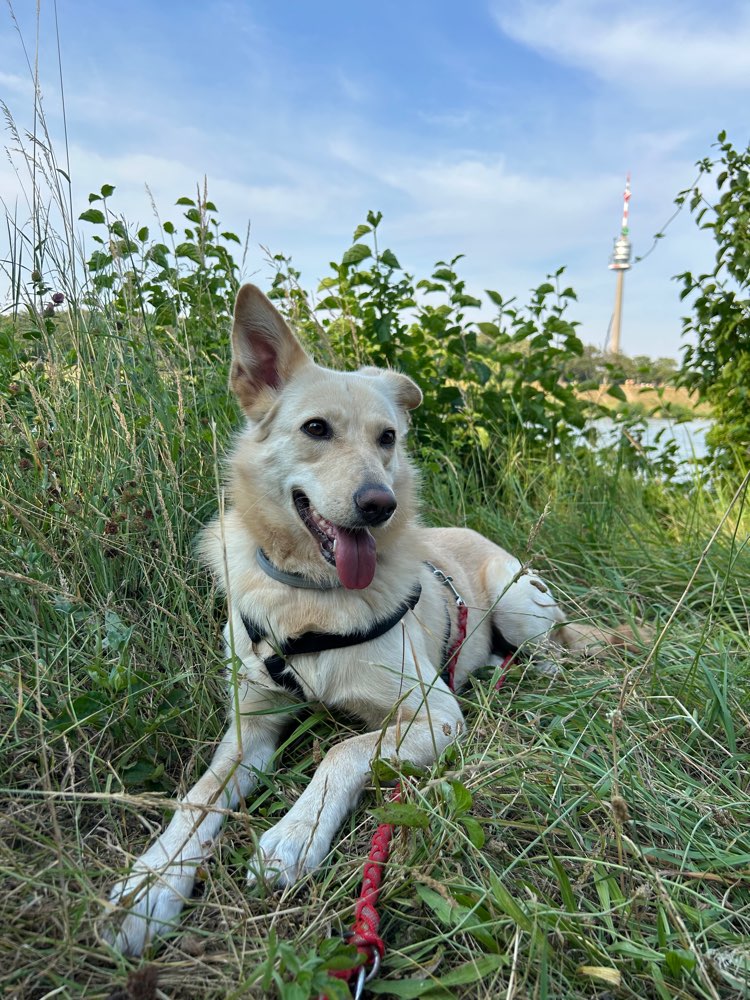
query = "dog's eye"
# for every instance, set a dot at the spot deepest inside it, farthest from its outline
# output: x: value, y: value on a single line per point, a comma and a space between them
x: 317, y: 429
x: 388, y: 438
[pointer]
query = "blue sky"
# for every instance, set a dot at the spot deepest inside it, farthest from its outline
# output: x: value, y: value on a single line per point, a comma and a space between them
x: 501, y: 130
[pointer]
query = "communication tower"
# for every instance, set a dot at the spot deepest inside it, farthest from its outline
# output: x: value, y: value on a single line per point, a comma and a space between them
x: 620, y: 262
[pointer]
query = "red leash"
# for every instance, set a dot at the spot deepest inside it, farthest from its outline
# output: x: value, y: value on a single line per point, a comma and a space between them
x: 364, y: 932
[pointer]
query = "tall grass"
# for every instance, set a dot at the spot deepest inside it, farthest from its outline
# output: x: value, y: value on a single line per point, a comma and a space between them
x: 610, y: 850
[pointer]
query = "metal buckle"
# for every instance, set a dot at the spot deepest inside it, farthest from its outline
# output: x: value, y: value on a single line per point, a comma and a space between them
x: 447, y: 581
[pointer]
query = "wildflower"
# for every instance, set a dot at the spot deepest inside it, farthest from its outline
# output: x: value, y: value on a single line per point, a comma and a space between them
x: 58, y: 298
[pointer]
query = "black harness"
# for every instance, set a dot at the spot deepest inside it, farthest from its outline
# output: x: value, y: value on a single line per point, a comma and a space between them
x: 281, y: 670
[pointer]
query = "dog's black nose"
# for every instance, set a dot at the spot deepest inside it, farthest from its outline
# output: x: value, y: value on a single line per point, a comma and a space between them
x: 374, y: 504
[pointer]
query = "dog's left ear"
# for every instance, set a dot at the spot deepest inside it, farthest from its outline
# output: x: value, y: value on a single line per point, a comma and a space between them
x: 406, y: 393
x: 265, y: 352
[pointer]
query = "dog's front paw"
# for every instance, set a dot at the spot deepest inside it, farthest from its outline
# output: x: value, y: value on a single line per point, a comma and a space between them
x: 286, y: 852
x: 152, y: 894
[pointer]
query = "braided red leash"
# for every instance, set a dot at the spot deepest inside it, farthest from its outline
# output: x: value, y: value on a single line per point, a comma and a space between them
x: 452, y: 660
x: 364, y: 932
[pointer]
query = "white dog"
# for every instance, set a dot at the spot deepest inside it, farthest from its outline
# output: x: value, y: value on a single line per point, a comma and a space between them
x: 335, y: 595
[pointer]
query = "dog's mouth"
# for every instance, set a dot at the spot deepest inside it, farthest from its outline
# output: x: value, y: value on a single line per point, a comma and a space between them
x: 351, y: 550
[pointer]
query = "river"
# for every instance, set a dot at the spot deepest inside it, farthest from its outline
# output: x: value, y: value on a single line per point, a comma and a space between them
x: 690, y: 436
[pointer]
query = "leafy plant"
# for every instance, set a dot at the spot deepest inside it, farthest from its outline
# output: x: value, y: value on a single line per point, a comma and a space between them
x: 482, y: 380
x: 718, y: 364
x: 184, y: 280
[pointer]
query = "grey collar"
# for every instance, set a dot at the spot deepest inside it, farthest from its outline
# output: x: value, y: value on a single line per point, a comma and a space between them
x: 291, y: 579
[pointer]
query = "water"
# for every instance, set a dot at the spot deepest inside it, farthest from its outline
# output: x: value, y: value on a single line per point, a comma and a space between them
x: 689, y: 437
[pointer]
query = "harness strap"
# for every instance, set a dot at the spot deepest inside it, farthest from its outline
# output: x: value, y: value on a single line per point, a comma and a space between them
x: 278, y: 664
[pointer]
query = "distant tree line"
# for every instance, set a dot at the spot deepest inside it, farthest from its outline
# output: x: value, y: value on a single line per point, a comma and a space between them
x: 598, y: 366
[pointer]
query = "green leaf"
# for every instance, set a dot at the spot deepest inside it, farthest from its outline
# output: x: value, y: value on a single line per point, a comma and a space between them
x: 185, y: 201
x: 360, y: 231
x: 390, y: 259
x: 443, y: 274
x: 474, y: 831
x: 462, y: 798
x: 189, y: 250
x: 334, y: 989
x: 616, y: 391
x: 472, y: 972
x: 94, y: 215
x: 401, y: 814
x: 462, y: 975
x: 441, y: 907
x: 509, y: 905
x: 408, y: 988
x: 489, y: 329
x: 430, y: 286
x: 360, y: 251
x: 384, y: 771
x: 143, y: 234
x: 467, y: 301
x: 679, y: 960
x: 107, y: 190
x: 633, y: 949
x: 566, y: 890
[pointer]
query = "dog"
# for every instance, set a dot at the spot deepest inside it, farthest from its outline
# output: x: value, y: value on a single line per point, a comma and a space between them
x: 336, y: 595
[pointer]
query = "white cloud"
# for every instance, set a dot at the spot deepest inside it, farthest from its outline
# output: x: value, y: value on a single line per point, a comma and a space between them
x: 16, y: 84
x: 639, y: 45
x: 479, y: 199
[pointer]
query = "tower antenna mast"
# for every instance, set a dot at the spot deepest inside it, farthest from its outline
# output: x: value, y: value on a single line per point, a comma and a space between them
x: 620, y: 263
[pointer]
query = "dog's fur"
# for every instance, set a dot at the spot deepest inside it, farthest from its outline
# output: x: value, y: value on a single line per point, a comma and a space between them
x: 393, y: 682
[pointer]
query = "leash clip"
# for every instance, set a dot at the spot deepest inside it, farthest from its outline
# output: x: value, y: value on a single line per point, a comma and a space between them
x: 447, y: 581
x: 363, y: 976
x: 373, y: 960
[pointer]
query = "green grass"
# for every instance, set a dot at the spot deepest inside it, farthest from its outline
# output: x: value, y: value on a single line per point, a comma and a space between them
x: 613, y: 803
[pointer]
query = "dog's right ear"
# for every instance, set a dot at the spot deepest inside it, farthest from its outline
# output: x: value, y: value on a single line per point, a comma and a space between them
x: 265, y: 352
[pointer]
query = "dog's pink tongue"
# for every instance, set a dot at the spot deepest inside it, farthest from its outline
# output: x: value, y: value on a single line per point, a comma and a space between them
x: 355, y: 558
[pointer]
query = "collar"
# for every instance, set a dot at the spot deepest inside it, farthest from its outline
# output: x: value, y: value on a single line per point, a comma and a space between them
x: 291, y: 579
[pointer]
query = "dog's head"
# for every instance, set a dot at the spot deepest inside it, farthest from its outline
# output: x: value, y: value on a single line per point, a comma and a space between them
x: 320, y: 472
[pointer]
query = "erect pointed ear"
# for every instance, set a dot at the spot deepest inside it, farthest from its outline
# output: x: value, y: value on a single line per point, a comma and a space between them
x: 265, y: 352
x: 406, y: 393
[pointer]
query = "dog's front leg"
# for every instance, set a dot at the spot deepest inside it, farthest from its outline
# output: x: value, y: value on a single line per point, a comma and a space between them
x: 162, y: 879
x: 298, y: 843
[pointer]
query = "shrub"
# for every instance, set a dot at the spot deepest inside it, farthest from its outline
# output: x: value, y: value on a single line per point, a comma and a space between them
x: 718, y: 364
x: 481, y: 379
